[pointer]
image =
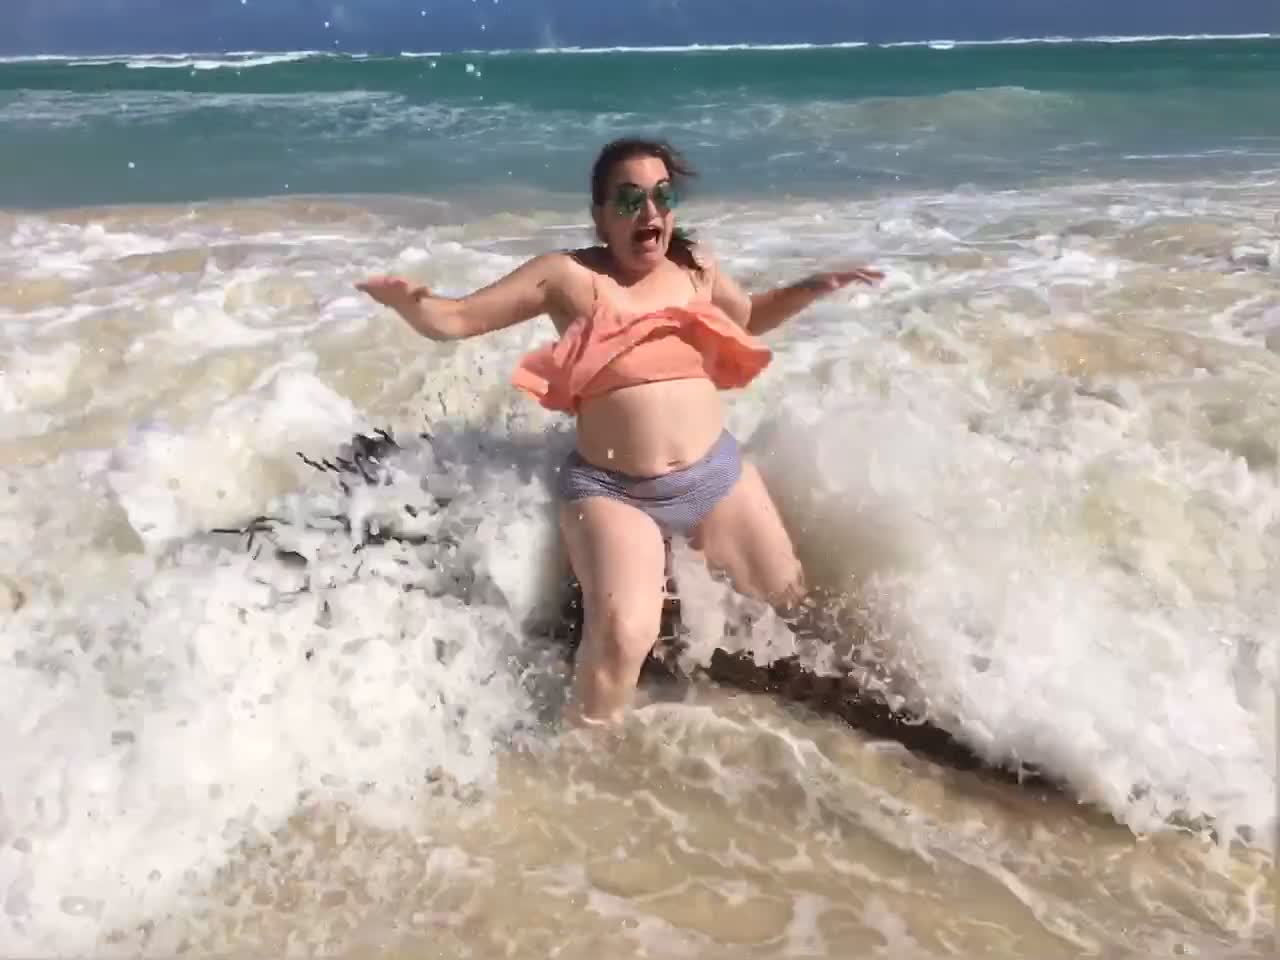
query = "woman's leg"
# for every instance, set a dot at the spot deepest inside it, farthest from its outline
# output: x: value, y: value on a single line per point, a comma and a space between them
x: 619, y: 559
x: 743, y: 537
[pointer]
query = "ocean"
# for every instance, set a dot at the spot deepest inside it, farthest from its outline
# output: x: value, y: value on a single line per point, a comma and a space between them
x: 1038, y: 464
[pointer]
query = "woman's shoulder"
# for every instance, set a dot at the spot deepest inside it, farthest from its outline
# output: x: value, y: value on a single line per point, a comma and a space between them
x: 703, y: 255
x: 559, y: 271
x: 556, y: 268
x: 702, y: 266
x: 591, y: 259
x: 569, y: 276
x: 557, y: 261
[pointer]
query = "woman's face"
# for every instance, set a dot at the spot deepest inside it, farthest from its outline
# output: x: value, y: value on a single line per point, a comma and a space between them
x: 636, y: 218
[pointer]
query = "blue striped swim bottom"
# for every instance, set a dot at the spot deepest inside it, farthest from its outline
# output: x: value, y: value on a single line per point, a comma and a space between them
x: 677, y: 501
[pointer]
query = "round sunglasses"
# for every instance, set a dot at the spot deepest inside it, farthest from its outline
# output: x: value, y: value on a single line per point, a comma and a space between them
x: 629, y: 198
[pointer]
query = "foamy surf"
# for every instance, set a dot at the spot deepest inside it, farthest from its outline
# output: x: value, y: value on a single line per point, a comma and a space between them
x: 1041, y: 476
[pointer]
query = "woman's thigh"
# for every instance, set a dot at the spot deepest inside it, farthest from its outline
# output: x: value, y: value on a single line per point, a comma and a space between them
x: 743, y: 537
x: 619, y: 557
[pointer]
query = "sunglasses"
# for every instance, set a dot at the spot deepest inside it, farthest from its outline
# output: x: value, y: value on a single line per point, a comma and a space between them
x: 629, y: 198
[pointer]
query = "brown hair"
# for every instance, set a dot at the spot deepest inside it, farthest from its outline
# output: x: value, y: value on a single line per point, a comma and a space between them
x: 680, y: 250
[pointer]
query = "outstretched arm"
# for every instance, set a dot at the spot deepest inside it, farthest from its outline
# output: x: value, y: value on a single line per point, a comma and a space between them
x: 520, y: 295
x: 773, y: 307
x: 759, y: 313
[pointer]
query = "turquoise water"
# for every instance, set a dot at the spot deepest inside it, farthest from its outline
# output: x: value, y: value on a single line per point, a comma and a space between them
x: 807, y: 121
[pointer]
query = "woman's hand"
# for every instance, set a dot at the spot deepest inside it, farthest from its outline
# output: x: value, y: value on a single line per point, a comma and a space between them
x: 831, y: 280
x: 396, y: 293
x: 433, y: 317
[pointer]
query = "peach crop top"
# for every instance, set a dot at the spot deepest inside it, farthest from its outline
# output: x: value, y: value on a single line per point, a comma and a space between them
x: 607, y: 350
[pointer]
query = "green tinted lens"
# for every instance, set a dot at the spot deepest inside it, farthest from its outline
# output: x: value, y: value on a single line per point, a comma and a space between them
x: 665, y: 196
x: 629, y: 199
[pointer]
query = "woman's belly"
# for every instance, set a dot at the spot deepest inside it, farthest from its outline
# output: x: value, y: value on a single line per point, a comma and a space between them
x: 652, y: 428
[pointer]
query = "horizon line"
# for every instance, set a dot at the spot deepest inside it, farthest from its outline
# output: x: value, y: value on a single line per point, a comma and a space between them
x: 939, y: 43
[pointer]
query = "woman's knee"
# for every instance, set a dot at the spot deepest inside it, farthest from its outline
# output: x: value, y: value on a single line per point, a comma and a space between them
x: 796, y: 585
x: 785, y: 587
x: 623, y: 633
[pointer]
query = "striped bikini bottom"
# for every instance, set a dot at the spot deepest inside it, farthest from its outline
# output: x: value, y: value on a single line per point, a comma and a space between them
x: 677, y: 501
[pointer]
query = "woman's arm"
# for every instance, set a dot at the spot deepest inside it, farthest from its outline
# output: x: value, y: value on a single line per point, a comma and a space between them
x: 772, y: 308
x: 761, y: 312
x: 725, y: 292
x: 521, y: 295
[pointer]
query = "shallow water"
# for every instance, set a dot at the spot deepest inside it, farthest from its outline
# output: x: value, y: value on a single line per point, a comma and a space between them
x: 1040, y: 462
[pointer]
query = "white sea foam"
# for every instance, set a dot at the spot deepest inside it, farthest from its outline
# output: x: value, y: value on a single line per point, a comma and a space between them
x: 180, y: 61
x: 229, y: 62
x: 1044, y: 480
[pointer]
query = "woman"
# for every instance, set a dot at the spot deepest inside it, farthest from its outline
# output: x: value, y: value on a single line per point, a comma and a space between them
x: 650, y: 331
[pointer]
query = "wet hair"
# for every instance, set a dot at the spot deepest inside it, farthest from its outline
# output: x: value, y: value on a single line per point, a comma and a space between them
x: 680, y: 250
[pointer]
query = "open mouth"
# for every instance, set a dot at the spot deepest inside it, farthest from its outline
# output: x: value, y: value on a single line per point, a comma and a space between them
x: 647, y: 237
